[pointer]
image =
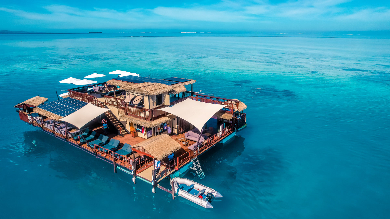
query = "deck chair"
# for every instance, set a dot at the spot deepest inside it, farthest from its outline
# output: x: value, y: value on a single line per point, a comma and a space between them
x: 102, y: 139
x: 84, y: 134
x: 112, y: 144
x: 89, y: 138
x: 125, y: 150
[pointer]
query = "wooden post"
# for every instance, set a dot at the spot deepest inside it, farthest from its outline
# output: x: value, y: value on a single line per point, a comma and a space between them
x: 173, y: 189
x: 154, y: 176
x: 113, y: 161
x: 134, y: 168
x: 154, y: 180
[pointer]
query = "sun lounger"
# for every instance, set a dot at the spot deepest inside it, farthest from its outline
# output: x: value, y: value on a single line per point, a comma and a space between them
x: 89, y: 138
x: 84, y: 134
x: 112, y: 144
x: 125, y: 150
x: 100, y: 141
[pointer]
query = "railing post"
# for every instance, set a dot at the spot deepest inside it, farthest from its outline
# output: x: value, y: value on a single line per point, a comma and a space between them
x: 134, y: 168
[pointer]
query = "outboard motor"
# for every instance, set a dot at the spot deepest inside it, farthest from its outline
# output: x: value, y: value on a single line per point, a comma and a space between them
x: 210, y: 197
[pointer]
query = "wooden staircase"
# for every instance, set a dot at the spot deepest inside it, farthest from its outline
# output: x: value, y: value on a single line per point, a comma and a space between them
x: 118, y: 125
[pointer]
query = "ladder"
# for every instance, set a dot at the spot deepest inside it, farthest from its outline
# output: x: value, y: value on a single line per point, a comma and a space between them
x: 197, y: 168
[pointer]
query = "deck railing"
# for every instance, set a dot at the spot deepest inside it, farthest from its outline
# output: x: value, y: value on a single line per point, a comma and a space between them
x: 229, y: 103
x: 204, y: 146
x: 134, y: 111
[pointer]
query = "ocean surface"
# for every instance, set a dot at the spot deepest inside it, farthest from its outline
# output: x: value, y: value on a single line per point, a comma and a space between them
x: 317, y: 144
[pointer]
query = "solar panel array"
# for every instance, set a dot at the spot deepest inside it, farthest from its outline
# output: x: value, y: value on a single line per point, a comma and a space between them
x: 134, y: 79
x: 63, y: 107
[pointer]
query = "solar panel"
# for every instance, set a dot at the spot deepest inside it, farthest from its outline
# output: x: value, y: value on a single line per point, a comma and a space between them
x: 63, y: 107
x: 134, y: 79
x: 177, y: 79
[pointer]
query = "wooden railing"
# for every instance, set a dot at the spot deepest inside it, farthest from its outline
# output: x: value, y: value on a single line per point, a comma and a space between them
x: 229, y: 103
x: 134, y: 111
x: 85, y: 97
x: 204, y: 146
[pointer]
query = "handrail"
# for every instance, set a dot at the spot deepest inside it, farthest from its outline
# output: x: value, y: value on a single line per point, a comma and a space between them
x: 208, y: 143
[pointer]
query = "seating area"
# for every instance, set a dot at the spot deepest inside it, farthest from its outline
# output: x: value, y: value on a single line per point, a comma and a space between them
x: 194, y: 136
x: 102, y: 140
x: 111, y: 145
x: 125, y: 150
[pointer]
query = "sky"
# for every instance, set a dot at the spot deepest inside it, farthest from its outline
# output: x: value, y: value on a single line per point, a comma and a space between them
x: 200, y: 15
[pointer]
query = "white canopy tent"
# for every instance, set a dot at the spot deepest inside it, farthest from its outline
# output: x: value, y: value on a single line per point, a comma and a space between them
x: 195, y: 112
x: 84, y: 115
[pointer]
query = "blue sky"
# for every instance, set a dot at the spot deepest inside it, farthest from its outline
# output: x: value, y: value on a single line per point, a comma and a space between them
x: 201, y: 15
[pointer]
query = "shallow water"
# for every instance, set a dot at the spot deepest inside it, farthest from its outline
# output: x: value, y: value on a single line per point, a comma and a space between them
x: 316, y: 144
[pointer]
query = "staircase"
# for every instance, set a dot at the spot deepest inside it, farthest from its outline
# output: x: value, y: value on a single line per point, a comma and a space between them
x: 197, y: 168
x: 118, y: 125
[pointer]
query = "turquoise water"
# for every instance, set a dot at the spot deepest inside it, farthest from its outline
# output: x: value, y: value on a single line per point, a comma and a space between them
x: 316, y: 145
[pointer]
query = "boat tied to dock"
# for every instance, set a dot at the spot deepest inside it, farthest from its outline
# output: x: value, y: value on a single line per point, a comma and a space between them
x: 195, y: 192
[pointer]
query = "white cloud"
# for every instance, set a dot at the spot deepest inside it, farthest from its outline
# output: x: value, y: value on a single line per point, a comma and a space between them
x: 200, y: 14
x: 253, y: 13
x: 372, y: 14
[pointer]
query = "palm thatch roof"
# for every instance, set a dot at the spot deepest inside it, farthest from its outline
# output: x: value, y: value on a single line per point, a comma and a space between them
x: 141, y: 88
x: 148, y: 88
x: 35, y: 101
x: 224, y: 115
x: 48, y: 114
x: 159, y: 146
x: 241, y: 105
x: 179, y: 88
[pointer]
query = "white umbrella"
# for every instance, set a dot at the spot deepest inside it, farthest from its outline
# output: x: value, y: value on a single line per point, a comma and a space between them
x: 94, y: 75
x: 83, y: 82
x: 69, y: 80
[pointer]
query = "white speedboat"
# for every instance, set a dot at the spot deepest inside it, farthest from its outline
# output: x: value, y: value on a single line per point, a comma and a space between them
x: 195, y: 192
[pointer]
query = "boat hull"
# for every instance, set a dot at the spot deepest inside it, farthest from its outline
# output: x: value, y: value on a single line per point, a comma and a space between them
x: 193, y: 198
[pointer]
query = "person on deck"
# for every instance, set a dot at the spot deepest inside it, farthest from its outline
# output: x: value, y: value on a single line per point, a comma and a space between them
x: 105, y: 126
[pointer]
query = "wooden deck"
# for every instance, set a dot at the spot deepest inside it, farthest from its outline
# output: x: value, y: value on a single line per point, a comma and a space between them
x: 147, y: 174
x: 129, y: 139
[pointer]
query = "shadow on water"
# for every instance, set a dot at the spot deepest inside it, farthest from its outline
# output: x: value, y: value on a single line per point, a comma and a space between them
x: 71, y: 163
x: 272, y: 92
x: 217, y: 162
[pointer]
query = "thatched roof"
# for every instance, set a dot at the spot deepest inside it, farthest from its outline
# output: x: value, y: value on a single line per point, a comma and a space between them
x: 48, y: 114
x: 148, y: 88
x: 148, y: 124
x: 159, y: 146
x: 141, y: 88
x: 178, y: 89
x: 241, y: 105
x: 35, y: 101
x: 224, y: 115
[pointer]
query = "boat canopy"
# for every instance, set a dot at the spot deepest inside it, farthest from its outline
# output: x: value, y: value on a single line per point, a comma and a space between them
x: 195, y: 112
x: 84, y: 115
